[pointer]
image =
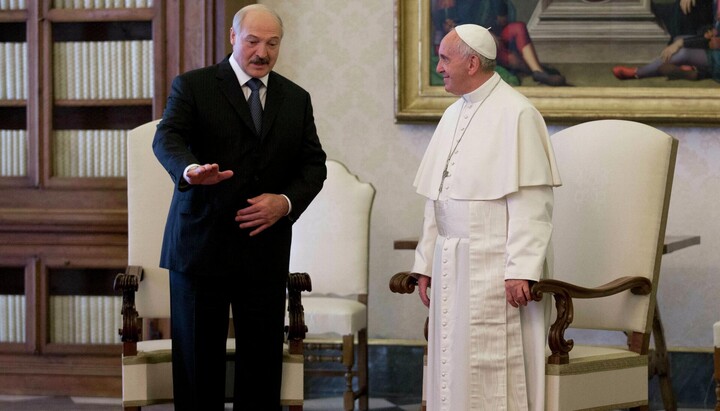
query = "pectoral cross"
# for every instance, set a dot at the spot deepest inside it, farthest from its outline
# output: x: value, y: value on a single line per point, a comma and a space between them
x: 445, y: 174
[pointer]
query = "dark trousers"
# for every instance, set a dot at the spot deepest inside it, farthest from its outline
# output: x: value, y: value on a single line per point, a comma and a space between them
x: 200, y: 307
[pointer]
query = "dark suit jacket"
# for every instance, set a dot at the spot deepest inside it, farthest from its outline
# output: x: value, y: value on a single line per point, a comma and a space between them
x: 207, y: 120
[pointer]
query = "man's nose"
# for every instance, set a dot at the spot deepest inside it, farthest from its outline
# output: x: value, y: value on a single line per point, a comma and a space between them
x: 261, y: 51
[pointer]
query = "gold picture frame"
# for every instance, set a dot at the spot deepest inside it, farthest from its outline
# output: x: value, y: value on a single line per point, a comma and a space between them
x: 418, y: 101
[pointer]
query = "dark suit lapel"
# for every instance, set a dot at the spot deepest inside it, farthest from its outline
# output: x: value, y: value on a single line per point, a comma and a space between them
x: 273, y: 101
x: 233, y: 92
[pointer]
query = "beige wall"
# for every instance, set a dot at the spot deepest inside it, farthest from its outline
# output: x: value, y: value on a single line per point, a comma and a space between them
x: 342, y: 52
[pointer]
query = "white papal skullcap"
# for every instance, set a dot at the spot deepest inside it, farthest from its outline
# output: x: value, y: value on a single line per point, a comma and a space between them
x: 479, y: 39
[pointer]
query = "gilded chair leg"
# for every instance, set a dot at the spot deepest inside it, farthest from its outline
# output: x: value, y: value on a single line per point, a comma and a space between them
x: 348, y: 361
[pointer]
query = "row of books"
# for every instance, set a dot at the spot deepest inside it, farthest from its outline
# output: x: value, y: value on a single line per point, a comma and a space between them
x: 103, y: 69
x: 12, y: 318
x: 90, y: 153
x: 85, y: 319
x: 13, y: 5
x: 80, y: 4
x: 100, y: 4
x: 13, y: 153
x: 13, y: 71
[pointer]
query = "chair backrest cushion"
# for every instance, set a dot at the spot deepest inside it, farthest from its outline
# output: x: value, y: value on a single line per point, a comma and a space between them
x: 610, y: 214
x: 331, y: 238
x: 149, y: 192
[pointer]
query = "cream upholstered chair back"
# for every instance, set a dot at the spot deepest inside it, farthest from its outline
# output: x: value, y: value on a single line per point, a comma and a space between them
x: 609, y: 216
x: 608, y: 234
x: 330, y: 239
x: 149, y: 193
x: 331, y: 243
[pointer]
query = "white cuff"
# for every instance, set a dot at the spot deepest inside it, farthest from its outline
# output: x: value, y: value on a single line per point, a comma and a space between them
x: 289, y: 204
x: 188, y: 168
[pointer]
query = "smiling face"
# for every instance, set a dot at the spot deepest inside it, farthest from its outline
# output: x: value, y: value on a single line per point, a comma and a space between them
x: 454, y: 66
x: 256, y: 43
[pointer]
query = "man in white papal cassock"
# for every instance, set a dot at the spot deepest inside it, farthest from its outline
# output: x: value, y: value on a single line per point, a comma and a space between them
x: 488, y: 176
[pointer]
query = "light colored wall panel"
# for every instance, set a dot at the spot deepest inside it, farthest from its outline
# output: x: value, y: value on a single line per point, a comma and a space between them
x: 342, y: 52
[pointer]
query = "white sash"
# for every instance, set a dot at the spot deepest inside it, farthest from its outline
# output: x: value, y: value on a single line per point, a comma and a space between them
x: 497, y: 373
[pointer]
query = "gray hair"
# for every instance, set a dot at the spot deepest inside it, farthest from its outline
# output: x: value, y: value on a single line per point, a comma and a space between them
x: 486, y: 64
x: 242, y: 13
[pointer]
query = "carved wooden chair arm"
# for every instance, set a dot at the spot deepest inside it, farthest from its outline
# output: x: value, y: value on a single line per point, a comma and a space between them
x: 296, y: 328
x: 403, y: 283
x: 128, y: 283
x: 564, y: 293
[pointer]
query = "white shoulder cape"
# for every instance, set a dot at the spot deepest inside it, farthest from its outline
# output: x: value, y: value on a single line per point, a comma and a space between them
x: 505, y: 147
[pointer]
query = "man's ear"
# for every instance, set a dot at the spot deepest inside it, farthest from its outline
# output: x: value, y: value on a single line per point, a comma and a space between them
x: 473, y: 64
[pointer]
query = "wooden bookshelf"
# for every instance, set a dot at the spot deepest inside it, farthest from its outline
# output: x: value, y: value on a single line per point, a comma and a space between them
x: 66, y: 235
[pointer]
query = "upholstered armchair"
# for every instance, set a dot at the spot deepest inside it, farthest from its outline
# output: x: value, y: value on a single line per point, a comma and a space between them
x: 146, y: 362
x: 609, y: 224
x: 331, y: 241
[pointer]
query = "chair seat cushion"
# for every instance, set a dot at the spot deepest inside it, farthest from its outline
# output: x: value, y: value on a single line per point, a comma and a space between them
x: 147, y: 376
x: 332, y: 315
x: 618, y: 379
x: 153, y: 346
x: 156, y: 347
x: 581, y: 354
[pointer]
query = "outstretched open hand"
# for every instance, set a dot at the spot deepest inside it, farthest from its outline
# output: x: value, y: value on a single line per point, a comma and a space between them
x: 207, y: 174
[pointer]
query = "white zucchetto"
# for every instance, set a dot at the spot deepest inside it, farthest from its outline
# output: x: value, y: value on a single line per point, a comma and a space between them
x: 479, y: 39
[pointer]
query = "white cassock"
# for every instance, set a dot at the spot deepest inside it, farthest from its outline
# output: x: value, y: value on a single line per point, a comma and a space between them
x: 487, y: 220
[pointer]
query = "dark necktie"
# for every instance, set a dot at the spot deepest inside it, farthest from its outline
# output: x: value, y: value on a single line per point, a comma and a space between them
x: 254, y: 102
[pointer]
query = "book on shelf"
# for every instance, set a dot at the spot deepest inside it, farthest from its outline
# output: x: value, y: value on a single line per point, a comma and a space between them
x: 100, y: 4
x: 12, y: 318
x: 4, y: 67
x: 89, y: 70
x: 13, y: 4
x: 85, y: 319
x: 89, y: 153
x: 13, y: 153
x: 13, y: 71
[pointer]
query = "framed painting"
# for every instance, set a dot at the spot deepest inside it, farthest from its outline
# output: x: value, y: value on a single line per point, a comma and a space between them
x: 583, y: 41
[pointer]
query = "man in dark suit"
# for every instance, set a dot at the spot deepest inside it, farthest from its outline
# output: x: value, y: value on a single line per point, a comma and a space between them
x: 239, y: 188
